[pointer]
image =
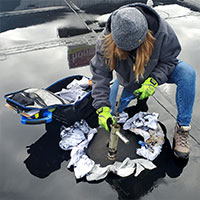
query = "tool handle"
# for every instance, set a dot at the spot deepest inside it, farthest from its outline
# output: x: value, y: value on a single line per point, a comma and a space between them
x: 134, y: 96
x: 122, y: 137
x: 47, y: 117
x: 147, y: 146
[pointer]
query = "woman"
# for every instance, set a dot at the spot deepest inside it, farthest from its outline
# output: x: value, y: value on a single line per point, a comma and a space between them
x: 142, y: 48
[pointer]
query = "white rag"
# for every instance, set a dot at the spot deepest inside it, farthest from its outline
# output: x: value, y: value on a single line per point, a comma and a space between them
x: 76, y: 138
x: 123, y: 116
x: 147, y: 126
x: 75, y: 90
x: 83, y: 83
x: 123, y: 169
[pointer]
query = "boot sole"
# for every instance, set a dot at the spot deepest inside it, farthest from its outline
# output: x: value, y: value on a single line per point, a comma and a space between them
x: 181, y: 155
x: 178, y: 154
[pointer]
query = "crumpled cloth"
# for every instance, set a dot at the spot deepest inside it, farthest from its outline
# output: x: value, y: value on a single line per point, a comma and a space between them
x: 123, y: 169
x: 76, y: 138
x: 75, y: 90
x: 147, y: 126
x: 123, y: 116
x: 72, y: 95
x: 142, y: 120
x: 83, y: 83
x: 74, y: 135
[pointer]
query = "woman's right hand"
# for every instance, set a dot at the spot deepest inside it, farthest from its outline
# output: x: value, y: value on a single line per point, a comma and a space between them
x: 105, y: 118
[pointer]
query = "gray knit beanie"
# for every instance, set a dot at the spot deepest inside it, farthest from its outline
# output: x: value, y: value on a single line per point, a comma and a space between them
x: 128, y: 27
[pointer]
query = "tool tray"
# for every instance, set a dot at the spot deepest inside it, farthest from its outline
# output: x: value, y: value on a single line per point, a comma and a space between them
x: 67, y: 113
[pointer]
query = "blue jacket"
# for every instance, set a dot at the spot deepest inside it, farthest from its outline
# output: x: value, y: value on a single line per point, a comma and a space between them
x: 161, y: 64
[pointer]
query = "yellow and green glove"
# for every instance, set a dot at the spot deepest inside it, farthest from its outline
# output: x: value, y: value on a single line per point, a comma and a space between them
x: 147, y: 89
x: 105, y: 118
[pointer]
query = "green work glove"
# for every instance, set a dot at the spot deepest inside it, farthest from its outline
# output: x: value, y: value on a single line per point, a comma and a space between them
x: 147, y: 89
x: 105, y: 118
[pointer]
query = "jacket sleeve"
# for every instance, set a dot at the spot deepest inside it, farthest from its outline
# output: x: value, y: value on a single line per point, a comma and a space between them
x: 170, y: 49
x: 101, y: 78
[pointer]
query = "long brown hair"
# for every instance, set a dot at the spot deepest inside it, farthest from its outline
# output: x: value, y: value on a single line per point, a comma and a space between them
x: 143, y: 53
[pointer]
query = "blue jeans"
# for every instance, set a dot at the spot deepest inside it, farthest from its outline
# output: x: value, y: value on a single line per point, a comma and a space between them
x: 184, y: 77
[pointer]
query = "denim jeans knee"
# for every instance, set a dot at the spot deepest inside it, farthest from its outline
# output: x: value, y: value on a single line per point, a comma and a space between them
x: 184, y: 77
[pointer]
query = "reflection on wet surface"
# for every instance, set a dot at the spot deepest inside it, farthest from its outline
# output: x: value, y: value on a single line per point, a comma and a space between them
x: 10, y: 22
x: 32, y: 165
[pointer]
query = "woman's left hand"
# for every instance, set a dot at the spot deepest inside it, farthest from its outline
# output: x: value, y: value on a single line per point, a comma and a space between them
x: 147, y: 89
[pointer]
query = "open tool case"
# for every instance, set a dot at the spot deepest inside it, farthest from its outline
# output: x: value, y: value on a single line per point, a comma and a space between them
x: 67, y: 113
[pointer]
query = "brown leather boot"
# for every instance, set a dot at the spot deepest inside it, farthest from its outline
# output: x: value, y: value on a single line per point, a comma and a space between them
x: 181, y: 140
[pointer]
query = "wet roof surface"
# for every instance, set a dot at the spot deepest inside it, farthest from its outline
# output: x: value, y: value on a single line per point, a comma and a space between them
x: 43, y: 62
